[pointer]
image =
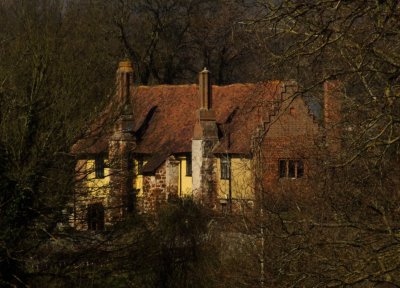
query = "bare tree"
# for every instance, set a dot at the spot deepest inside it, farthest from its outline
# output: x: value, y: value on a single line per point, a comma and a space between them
x: 49, y: 82
x: 169, y: 41
x: 344, y: 231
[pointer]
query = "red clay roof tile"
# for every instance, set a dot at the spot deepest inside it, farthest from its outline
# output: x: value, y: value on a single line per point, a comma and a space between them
x: 170, y: 113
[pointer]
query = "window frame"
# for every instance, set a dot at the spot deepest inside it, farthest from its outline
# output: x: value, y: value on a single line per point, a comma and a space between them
x: 291, y: 168
x: 225, y: 167
x: 189, y: 169
x: 95, y: 216
x: 99, y: 167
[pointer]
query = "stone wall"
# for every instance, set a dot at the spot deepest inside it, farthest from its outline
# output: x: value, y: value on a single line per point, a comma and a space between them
x: 154, y: 190
x: 88, y: 191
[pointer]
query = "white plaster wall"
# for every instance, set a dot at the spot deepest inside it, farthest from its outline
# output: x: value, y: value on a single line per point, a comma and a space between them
x: 197, y: 160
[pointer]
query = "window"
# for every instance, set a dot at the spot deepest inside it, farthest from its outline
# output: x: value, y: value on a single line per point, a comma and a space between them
x: 291, y: 168
x: 225, y: 168
x: 140, y: 166
x: 95, y: 217
x: 189, y: 165
x: 99, y: 167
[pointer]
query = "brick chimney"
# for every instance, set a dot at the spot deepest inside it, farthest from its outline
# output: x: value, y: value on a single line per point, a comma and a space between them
x: 332, y: 114
x: 205, y: 90
x: 205, y: 127
x: 205, y: 137
x: 121, y: 144
x: 124, y: 79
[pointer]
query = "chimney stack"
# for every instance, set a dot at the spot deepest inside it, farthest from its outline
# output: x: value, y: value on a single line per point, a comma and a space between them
x: 124, y: 125
x: 205, y: 127
x: 124, y: 79
x: 205, y: 91
x: 121, y: 144
x: 205, y: 137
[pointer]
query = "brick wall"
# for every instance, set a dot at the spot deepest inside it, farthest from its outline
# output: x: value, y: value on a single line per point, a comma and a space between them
x: 292, y: 134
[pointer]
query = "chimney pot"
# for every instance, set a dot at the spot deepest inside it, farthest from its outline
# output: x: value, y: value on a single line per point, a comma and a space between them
x: 125, y: 66
x: 124, y: 79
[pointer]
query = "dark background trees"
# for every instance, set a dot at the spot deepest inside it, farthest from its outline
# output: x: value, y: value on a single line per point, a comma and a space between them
x: 170, y: 41
x: 346, y: 232
x: 51, y: 74
x: 57, y: 72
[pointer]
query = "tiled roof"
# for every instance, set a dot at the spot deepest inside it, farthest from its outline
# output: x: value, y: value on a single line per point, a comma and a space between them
x: 165, y: 117
x: 259, y: 103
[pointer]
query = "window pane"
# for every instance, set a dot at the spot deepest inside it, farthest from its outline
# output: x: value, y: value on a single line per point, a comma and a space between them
x: 282, y: 168
x: 292, y: 169
x: 300, y: 169
x: 225, y: 173
x: 99, y: 167
x: 189, y: 165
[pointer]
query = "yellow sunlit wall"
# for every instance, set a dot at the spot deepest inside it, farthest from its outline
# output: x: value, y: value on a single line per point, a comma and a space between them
x: 138, y: 179
x: 97, y: 186
x: 185, y: 182
x: 100, y: 186
x: 241, y: 179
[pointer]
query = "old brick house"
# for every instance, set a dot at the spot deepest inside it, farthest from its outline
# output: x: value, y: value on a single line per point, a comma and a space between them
x: 217, y: 144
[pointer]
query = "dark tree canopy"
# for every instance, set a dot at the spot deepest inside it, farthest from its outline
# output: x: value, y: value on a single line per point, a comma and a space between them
x: 57, y: 63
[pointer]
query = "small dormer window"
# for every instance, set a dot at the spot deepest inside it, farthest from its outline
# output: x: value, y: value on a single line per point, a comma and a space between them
x: 99, y: 167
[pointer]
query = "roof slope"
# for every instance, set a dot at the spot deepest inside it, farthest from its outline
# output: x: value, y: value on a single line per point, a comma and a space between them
x: 165, y: 117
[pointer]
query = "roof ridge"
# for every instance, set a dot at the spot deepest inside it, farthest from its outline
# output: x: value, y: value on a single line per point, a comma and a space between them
x: 273, y: 82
